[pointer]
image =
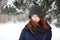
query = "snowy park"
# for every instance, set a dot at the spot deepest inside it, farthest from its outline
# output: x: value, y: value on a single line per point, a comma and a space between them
x: 11, y: 31
x: 14, y: 13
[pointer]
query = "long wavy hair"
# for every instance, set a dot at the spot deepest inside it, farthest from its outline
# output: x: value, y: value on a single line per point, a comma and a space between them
x: 33, y: 26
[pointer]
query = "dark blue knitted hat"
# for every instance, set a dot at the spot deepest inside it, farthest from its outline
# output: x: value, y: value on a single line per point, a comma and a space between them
x: 35, y: 10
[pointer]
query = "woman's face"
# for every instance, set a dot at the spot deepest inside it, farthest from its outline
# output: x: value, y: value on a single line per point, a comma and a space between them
x: 35, y: 18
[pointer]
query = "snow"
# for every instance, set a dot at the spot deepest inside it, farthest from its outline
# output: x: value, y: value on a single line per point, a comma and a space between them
x: 11, y: 31
x: 55, y: 31
x: 10, y: 2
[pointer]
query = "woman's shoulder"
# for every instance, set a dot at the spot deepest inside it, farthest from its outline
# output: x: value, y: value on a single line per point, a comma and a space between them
x: 25, y: 29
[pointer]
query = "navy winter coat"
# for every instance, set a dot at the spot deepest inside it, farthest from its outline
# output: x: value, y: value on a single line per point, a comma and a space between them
x: 27, y: 35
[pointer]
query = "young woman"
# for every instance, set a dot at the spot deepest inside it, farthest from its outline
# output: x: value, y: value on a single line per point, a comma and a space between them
x: 37, y: 27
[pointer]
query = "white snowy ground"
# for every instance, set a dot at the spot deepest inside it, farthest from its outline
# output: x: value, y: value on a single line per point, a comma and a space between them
x: 11, y: 31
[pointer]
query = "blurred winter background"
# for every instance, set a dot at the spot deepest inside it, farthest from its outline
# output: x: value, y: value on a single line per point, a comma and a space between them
x: 14, y: 16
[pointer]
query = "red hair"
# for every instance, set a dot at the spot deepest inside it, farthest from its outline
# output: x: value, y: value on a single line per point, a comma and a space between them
x: 32, y: 25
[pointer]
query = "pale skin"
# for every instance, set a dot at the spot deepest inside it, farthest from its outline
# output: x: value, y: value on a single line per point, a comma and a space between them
x: 35, y: 18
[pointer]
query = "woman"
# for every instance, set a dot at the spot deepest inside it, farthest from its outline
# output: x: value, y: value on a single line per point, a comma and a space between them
x: 37, y: 27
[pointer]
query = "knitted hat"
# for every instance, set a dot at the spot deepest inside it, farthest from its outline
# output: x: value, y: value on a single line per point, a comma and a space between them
x: 35, y: 10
